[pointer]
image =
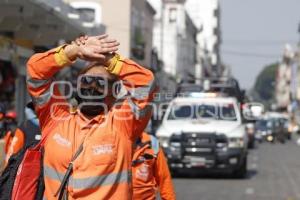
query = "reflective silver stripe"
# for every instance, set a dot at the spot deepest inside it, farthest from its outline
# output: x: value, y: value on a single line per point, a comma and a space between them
x: 143, y: 92
x: 139, y: 113
x: 43, y: 98
x: 35, y: 83
x: 90, y: 182
x: 154, y: 144
x: 97, y: 181
x: 53, y: 174
x: 123, y: 92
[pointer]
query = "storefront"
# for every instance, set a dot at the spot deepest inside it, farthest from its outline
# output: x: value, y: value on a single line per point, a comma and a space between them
x: 8, y: 73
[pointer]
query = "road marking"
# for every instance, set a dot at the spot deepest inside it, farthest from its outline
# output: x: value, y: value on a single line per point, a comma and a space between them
x: 255, y: 158
x: 254, y: 166
x: 249, y: 191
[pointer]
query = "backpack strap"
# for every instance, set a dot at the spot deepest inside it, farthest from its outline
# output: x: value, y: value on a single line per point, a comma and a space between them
x: 61, y: 190
x: 154, y: 144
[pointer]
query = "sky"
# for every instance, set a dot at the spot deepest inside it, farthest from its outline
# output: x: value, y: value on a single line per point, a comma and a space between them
x: 254, y: 33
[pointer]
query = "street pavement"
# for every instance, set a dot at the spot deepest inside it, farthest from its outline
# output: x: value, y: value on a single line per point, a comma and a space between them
x: 273, y: 174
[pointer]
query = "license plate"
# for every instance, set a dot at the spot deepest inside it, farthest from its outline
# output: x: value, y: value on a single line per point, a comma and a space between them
x: 198, y: 161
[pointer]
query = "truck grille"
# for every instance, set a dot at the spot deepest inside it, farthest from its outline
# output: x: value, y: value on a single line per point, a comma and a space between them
x: 198, y: 144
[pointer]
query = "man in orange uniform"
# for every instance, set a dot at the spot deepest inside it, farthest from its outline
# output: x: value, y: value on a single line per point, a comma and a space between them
x: 26, y: 134
x: 150, y: 171
x: 113, y: 94
x: 14, y: 141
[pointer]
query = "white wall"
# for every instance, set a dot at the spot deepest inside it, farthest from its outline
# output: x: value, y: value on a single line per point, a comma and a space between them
x: 120, y: 18
x: 202, y: 13
x: 177, y: 48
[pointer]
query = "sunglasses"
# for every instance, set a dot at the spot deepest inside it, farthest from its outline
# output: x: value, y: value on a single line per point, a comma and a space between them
x: 99, y: 81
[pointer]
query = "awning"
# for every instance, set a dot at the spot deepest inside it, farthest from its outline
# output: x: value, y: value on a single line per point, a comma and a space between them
x: 42, y: 22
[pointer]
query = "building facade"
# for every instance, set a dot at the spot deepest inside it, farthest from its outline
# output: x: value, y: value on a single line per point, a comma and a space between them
x: 130, y: 22
x: 287, y: 80
x: 206, y: 16
x: 175, y: 39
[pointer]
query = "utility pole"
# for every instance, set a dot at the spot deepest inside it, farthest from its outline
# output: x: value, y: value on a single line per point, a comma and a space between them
x: 162, y: 29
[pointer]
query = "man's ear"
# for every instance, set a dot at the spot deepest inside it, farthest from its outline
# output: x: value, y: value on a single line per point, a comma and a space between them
x: 116, y: 88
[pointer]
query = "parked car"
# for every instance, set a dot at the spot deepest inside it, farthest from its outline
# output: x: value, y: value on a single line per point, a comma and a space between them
x: 262, y: 129
x: 275, y: 130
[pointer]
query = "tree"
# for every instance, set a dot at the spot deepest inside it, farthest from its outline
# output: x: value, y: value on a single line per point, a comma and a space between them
x: 264, y: 87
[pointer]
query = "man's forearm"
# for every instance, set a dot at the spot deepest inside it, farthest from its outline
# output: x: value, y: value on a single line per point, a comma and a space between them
x: 45, y: 65
x: 71, y: 51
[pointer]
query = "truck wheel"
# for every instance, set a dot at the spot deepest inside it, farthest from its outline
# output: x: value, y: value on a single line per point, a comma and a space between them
x: 242, y: 171
x: 174, y: 173
x: 251, y: 145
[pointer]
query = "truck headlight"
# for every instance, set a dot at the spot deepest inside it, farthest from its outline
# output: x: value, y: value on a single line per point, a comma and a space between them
x: 164, y: 141
x: 236, y: 142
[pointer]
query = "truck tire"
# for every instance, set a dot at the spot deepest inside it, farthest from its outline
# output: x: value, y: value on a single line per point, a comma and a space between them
x: 251, y: 144
x: 241, y: 172
x: 174, y: 173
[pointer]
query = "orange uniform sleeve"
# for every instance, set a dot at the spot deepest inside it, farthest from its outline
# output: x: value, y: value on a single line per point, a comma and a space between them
x: 41, y: 68
x: 140, y: 86
x: 14, y: 144
x: 163, y: 177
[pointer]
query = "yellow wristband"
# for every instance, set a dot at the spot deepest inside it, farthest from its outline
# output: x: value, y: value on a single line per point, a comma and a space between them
x: 115, y: 65
x: 61, y: 57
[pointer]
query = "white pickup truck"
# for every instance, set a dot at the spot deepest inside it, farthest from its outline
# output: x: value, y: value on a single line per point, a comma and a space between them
x: 204, y: 133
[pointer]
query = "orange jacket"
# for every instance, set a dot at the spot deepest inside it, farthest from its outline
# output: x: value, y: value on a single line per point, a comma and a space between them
x: 151, y: 174
x: 13, y: 144
x: 103, y: 169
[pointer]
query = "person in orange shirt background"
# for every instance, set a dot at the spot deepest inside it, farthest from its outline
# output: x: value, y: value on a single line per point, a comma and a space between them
x: 27, y: 133
x: 150, y: 172
x: 2, y: 134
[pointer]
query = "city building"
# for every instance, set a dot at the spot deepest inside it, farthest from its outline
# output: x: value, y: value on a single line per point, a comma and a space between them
x: 175, y: 39
x: 206, y: 16
x: 130, y: 21
x: 285, y: 80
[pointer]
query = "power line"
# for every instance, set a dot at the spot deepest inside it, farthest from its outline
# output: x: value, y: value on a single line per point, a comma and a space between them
x: 255, y: 44
x: 250, y: 54
x: 260, y: 42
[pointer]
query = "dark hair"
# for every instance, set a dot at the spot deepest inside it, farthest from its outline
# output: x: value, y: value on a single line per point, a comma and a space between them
x: 30, y: 105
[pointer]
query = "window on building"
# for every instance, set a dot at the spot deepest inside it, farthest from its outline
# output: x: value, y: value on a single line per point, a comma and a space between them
x: 88, y: 12
x: 91, y: 10
x: 172, y: 15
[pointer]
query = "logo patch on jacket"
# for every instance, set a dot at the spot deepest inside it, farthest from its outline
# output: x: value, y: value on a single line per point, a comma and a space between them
x: 102, y: 149
x: 142, y: 172
x: 61, y: 140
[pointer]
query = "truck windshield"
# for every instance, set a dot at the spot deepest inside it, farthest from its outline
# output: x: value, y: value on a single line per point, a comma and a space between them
x: 203, y: 111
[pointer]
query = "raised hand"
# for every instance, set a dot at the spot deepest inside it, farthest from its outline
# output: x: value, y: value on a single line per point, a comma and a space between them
x: 97, y: 48
x: 107, y: 44
x: 91, y: 53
